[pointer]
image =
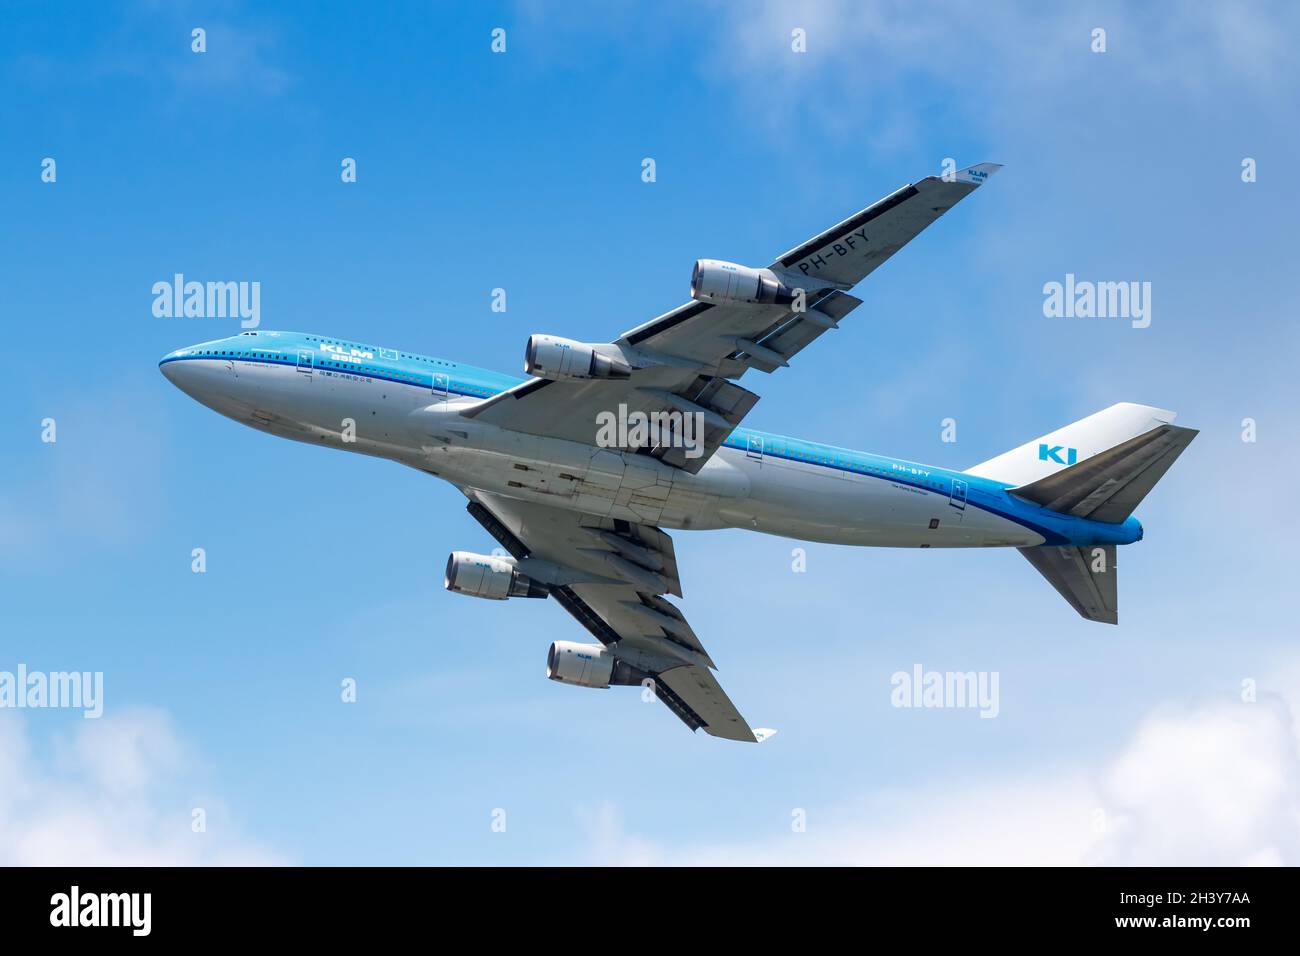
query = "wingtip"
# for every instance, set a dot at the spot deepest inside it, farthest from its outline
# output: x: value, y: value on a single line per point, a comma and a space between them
x: 978, y: 173
x: 762, y: 733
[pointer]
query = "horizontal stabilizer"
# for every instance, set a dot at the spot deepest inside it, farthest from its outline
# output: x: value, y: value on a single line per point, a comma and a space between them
x: 1110, y: 484
x: 1084, y: 576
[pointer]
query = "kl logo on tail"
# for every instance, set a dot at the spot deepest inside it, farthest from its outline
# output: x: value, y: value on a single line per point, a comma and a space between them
x: 1053, y: 453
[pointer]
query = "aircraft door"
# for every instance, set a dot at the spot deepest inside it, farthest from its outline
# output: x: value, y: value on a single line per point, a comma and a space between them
x: 441, y: 387
x: 754, y: 449
x: 958, y: 497
x: 305, y: 361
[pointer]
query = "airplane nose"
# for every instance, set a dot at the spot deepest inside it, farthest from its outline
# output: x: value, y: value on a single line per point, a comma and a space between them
x: 177, y: 369
x: 200, y: 374
x: 169, y: 366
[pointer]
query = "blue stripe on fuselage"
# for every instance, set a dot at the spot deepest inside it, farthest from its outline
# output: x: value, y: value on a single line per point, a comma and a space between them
x: 418, y: 371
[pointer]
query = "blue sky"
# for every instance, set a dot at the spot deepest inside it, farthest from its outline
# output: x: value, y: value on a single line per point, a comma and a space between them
x: 522, y: 171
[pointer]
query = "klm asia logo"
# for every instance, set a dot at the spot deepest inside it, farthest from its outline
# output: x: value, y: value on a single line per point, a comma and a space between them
x: 1053, y: 453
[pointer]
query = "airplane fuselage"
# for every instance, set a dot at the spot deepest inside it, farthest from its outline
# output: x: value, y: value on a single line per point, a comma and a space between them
x: 407, y: 408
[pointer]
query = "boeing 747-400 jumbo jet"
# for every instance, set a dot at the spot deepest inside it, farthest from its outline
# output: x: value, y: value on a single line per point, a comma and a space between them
x: 577, y: 470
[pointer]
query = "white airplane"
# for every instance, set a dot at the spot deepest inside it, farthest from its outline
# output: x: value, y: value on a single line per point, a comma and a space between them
x: 577, y: 470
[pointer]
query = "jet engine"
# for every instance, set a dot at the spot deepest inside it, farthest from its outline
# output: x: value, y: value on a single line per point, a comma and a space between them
x: 548, y: 356
x: 487, y: 576
x: 589, y: 665
x: 723, y: 283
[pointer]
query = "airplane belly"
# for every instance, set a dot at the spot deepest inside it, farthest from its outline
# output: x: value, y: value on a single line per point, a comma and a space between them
x: 560, y: 473
x: 572, y: 475
x: 793, y: 499
x: 814, y: 500
x: 814, y: 503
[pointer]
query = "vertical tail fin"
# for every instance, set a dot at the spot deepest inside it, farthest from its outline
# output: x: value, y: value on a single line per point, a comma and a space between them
x: 1112, y: 460
x: 1109, y: 485
x: 1073, y: 443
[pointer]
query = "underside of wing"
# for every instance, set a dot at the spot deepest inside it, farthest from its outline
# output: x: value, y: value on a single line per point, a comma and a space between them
x: 849, y: 251
x: 677, y: 415
x: 611, y: 576
x: 822, y: 268
x: 721, y: 334
x: 682, y: 399
x: 694, y: 695
x: 678, y: 369
x: 682, y: 391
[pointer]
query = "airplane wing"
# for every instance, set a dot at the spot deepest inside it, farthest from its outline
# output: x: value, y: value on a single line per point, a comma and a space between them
x: 611, y: 576
x: 685, y: 360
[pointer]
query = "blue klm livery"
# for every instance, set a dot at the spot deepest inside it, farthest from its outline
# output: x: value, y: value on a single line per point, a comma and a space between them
x: 579, y: 470
x: 425, y: 376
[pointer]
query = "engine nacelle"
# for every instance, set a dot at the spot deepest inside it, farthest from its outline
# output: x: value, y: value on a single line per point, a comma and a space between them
x: 725, y: 282
x: 487, y: 576
x: 548, y: 356
x: 589, y: 665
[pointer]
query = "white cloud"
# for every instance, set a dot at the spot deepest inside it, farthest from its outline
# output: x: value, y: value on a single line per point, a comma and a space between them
x: 1217, y: 784
x: 1214, y: 786
x: 1023, y: 54
x: 118, y: 791
x: 1016, y: 822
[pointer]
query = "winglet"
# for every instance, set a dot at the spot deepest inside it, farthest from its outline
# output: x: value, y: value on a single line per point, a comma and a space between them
x: 977, y: 174
x: 762, y: 733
